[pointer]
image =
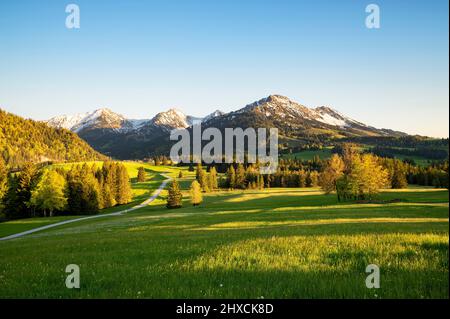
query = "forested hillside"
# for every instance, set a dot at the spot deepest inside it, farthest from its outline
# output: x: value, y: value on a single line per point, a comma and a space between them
x: 23, y: 140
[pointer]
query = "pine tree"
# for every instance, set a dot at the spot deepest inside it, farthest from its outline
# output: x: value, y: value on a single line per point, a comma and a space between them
x: 49, y: 193
x: 196, y: 193
x: 175, y: 197
x: 180, y: 174
x: 141, y: 175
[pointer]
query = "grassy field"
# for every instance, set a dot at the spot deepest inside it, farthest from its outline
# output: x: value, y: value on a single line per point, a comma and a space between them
x: 277, y: 243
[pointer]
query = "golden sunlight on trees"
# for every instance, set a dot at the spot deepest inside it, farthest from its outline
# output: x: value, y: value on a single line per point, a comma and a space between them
x: 196, y: 193
x: 332, y: 172
x: 174, y: 198
x: 49, y: 194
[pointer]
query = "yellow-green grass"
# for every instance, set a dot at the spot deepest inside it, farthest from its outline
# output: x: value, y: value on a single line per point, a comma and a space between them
x: 141, y: 191
x: 277, y: 243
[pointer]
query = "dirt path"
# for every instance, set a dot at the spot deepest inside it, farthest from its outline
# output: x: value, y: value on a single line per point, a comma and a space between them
x: 141, y: 205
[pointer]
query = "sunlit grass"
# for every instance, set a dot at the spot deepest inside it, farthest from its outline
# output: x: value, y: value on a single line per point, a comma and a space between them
x: 276, y: 243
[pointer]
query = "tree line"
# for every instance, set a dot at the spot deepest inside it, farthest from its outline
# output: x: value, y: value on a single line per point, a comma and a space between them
x: 83, y: 189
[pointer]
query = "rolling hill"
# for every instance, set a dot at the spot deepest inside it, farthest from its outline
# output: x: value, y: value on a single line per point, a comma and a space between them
x: 24, y: 140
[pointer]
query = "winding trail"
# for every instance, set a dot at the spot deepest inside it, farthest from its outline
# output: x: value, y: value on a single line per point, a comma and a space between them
x: 141, y: 205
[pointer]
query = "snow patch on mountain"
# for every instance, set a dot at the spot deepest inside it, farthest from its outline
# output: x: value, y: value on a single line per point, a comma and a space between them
x: 214, y: 114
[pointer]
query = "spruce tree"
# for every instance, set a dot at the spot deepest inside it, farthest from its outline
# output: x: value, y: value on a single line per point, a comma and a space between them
x: 174, y: 197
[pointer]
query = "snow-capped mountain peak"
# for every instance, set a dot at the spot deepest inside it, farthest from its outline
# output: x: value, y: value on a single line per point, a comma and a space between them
x: 100, y: 118
x: 172, y: 118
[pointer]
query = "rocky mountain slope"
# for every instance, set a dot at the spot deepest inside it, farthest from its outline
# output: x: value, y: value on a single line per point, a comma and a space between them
x: 117, y: 136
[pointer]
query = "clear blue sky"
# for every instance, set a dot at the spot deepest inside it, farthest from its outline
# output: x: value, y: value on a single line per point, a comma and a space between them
x: 142, y: 57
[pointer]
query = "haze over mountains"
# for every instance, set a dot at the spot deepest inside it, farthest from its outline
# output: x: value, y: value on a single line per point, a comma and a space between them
x: 117, y: 136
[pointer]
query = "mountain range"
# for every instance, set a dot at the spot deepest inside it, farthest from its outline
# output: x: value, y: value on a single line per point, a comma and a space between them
x: 115, y: 135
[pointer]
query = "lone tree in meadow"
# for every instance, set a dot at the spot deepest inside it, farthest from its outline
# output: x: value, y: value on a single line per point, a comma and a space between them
x: 196, y: 193
x: 49, y: 194
x: 180, y: 174
x: 174, y: 198
x: 141, y: 175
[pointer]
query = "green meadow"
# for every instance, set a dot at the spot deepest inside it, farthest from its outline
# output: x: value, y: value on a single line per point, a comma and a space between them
x: 272, y: 243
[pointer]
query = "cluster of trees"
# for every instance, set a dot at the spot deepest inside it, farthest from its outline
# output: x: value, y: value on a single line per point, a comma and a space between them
x: 249, y: 177
x: 24, y: 141
x: 435, y: 175
x: 351, y: 174
x: 175, y: 197
x: 205, y: 182
x: 356, y: 176
x: 208, y: 181
x: 83, y: 189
